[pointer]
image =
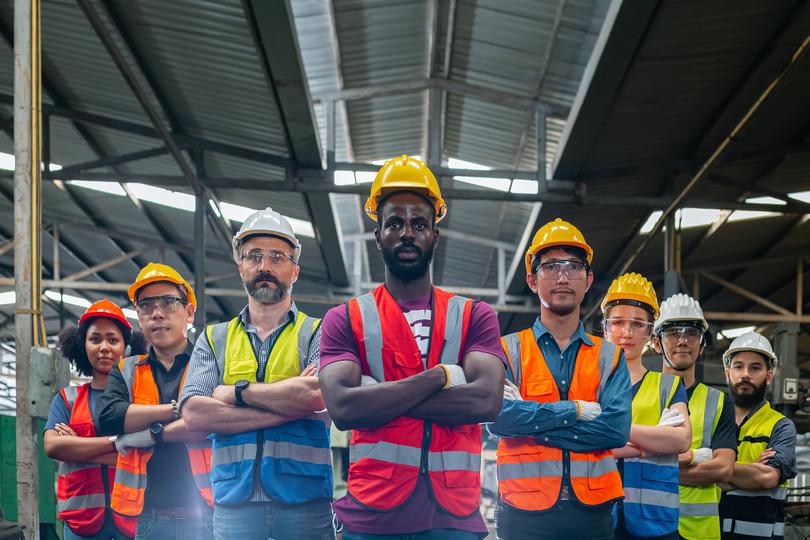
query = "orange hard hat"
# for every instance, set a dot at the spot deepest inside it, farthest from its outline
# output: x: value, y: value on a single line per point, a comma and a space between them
x: 557, y: 233
x: 107, y: 309
x: 407, y: 174
x: 156, y: 272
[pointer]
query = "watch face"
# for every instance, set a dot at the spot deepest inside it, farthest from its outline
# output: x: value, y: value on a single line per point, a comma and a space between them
x: 156, y: 428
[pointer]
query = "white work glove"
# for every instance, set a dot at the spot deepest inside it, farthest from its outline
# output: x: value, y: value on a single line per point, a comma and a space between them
x: 588, y: 410
x: 365, y: 380
x: 455, y: 375
x: 510, y: 391
x: 139, y: 439
x: 701, y: 454
x: 671, y: 417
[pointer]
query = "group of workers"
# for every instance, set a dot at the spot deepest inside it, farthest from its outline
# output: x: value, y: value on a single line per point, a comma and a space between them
x: 229, y: 437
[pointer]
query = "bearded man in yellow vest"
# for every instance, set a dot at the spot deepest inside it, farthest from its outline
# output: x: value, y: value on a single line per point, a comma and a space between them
x: 753, y: 503
x: 252, y: 384
x: 567, y: 404
x: 679, y: 336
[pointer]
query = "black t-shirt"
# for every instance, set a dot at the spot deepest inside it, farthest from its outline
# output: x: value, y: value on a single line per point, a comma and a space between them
x: 725, y: 435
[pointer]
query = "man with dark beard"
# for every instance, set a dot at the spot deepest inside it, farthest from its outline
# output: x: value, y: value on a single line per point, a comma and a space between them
x: 679, y: 335
x: 568, y: 404
x: 753, y: 504
x: 252, y: 384
x: 412, y: 370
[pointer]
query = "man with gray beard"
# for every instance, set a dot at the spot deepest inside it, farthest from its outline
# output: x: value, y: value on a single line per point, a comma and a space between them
x: 252, y: 384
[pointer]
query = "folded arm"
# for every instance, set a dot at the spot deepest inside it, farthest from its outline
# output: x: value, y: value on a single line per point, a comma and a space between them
x: 525, y: 418
x: 293, y: 397
x: 718, y: 469
x: 664, y: 439
x: 75, y: 448
x: 117, y: 414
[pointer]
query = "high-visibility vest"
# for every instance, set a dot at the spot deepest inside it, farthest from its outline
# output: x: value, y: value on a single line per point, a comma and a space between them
x: 131, y: 470
x: 530, y: 475
x: 81, y: 492
x: 651, y: 483
x: 387, y: 462
x: 747, y: 513
x: 295, y: 461
x: 699, y: 518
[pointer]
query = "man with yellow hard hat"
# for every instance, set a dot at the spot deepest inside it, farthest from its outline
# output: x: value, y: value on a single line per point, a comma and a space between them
x: 162, y: 471
x: 566, y: 406
x: 412, y: 370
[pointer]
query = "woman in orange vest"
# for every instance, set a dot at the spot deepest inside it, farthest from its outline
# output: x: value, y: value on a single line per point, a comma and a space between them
x: 87, y: 467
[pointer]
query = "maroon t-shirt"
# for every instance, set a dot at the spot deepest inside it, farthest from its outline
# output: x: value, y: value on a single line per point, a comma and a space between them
x: 420, y: 512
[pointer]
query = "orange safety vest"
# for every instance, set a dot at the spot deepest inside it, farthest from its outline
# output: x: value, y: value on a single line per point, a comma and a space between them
x: 81, y: 492
x: 530, y: 474
x: 130, y: 474
x: 386, y: 463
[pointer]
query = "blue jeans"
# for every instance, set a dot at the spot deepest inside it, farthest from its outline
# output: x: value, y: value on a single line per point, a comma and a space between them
x: 107, y: 532
x: 263, y: 520
x: 154, y: 526
x: 435, y: 534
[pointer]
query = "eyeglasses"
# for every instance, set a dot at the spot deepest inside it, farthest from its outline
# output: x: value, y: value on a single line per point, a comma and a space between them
x: 167, y: 304
x: 674, y: 335
x: 277, y: 259
x: 555, y: 269
x: 617, y: 326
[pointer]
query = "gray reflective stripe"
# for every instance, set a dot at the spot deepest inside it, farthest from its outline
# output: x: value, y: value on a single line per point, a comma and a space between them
x: 132, y: 480
x: 454, y: 461
x: 712, y: 404
x: 219, y: 342
x: 386, y: 451
x: 607, y: 352
x: 669, y: 460
x: 699, y: 509
x: 752, y: 528
x: 665, y: 387
x: 779, y: 493
x: 372, y: 335
x: 67, y: 467
x: 80, y: 502
x: 513, y: 350
x: 223, y: 455
x: 727, y: 525
x: 297, y: 452
x: 593, y: 469
x: 651, y: 496
x: 534, y: 469
x: 305, y: 334
x: 71, y: 393
x: 128, y: 368
x: 779, y: 529
x: 452, y: 330
x: 198, y: 445
x: 202, y: 480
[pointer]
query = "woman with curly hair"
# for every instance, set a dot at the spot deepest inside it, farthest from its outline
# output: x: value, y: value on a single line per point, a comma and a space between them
x: 87, y: 461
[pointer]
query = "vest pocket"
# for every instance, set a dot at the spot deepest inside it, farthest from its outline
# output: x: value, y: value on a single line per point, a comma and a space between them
x: 539, y: 387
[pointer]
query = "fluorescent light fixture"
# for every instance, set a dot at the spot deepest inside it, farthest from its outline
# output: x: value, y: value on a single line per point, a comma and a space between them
x: 112, y: 188
x: 499, y: 184
x: 764, y: 200
x: 803, y: 196
x: 364, y: 177
x: 83, y: 303
x: 731, y: 333
x: 344, y: 178
x: 524, y: 186
x: 7, y: 162
x: 7, y: 298
x: 740, y: 215
x: 165, y: 197
x: 454, y: 163
x: 651, y: 221
x: 701, y: 217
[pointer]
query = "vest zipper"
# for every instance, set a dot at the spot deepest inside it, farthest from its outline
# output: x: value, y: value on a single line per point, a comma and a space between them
x: 258, y: 461
x: 423, y: 460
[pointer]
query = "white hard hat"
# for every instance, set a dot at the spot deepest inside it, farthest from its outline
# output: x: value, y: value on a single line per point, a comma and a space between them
x: 750, y: 341
x: 268, y: 222
x: 680, y: 308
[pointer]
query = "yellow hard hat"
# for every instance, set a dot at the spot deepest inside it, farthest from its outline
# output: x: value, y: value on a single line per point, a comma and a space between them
x: 634, y: 288
x: 405, y: 173
x: 155, y: 272
x: 556, y: 233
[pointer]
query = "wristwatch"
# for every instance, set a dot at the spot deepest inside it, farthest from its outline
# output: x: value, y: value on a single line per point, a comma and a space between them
x: 239, y: 387
x: 156, y: 430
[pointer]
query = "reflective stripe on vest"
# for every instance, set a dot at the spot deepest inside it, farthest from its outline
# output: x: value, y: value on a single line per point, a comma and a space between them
x: 699, y: 514
x: 651, y: 499
x: 295, y: 458
x: 529, y: 474
x: 129, y: 488
x: 755, y: 512
x: 386, y: 462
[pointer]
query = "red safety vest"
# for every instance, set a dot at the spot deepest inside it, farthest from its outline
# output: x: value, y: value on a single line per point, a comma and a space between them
x: 530, y: 474
x: 80, y: 491
x: 386, y: 462
x: 130, y: 476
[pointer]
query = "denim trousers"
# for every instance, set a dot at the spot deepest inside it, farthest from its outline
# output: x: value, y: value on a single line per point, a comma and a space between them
x: 155, y: 526
x: 565, y: 520
x: 262, y: 520
x: 107, y: 532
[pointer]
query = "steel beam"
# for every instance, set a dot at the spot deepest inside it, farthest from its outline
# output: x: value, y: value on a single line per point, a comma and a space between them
x: 113, y: 160
x: 745, y: 293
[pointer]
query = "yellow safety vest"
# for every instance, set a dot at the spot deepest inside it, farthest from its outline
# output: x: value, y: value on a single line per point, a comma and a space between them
x: 700, y: 518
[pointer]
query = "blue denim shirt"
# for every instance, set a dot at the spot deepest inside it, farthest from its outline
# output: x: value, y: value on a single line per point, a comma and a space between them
x: 555, y: 424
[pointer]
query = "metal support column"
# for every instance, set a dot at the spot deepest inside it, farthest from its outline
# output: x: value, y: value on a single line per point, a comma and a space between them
x: 200, y: 213
x: 785, y: 385
x: 28, y: 322
x: 670, y: 259
x: 542, y: 175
